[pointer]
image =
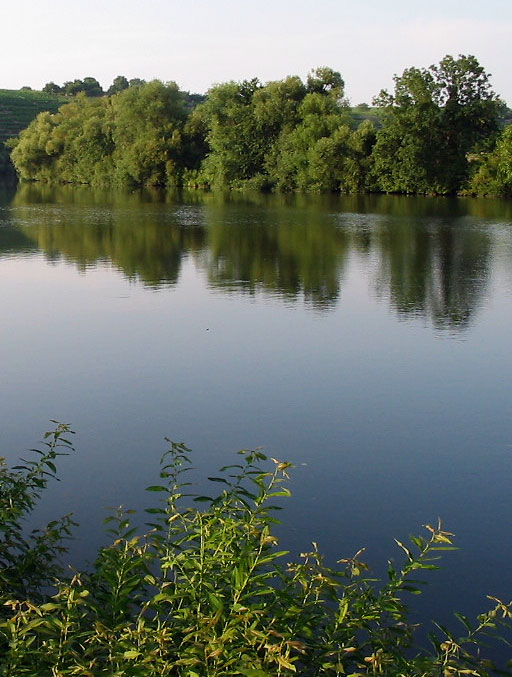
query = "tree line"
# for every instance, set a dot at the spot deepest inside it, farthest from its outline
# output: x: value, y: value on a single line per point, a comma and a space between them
x: 441, y: 131
x: 91, y: 87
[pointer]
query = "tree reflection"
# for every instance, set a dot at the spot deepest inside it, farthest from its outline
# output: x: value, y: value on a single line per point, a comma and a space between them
x: 427, y: 257
x: 80, y: 226
x: 282, y: 251
x: 434, y: 268
x: 13, y: 241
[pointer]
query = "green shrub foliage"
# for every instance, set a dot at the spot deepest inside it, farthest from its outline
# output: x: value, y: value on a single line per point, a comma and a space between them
x: 131, y: 138
x: 494, y: 174
x: 207, y: 590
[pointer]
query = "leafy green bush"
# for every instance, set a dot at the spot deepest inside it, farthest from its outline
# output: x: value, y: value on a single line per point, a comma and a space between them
x: 203, y: 593
x: 131, y: 138
x: 494, y: 174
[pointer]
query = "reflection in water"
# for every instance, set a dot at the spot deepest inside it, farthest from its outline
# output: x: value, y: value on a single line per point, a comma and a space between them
x: 285, y: 252
x: 437, y: 268
x: 145, y: 244
x: 428, y: 257
x: 13, y: 241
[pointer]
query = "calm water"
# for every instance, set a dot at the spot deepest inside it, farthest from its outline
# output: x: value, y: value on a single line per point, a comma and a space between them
x: 365, y: 339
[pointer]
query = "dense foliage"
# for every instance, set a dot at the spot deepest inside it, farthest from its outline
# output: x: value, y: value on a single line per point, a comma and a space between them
x: 203, y: 593
x: 494, y: 175
x: 288, y: 135
x: 134, y: 137
x: 433, y: 120
x: 434, y: 135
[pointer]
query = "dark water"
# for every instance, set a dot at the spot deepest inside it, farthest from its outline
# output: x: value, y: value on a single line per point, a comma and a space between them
x: 365, y: 339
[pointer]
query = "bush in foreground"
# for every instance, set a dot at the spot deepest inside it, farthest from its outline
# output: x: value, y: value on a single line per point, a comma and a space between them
x: 204, y: 592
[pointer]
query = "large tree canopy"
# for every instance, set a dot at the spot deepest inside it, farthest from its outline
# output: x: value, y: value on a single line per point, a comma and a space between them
x: 435, y: 117
x: 285, y: 134
x: 133, y: 137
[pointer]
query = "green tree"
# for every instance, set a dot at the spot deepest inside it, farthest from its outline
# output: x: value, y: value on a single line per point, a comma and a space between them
x: 73, y: 145
x: 89, y: 85
x: 494, y: 174
x: 134, y: 137
x: 29, y: 154
x: 136, y: 82
x: 118, y: 84
x: 276, y: 106
x: 307, y: 156
x: 147, y: 134
x: 435, y: 117
x: 52, y: 88
x: 195, y: 147
x: 236, y: 148
x: 314, y: 149
x: 325, y: 81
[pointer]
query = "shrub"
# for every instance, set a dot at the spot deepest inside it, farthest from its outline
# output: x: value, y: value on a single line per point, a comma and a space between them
x: 205, y: 592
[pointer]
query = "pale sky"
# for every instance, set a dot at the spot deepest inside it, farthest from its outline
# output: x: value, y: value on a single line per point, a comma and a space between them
x: 201, y: 42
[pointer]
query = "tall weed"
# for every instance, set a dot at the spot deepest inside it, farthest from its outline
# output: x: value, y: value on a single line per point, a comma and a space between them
x: 208, y: 592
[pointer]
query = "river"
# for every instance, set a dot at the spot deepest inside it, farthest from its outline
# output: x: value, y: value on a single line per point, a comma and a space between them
x: 366, y: 339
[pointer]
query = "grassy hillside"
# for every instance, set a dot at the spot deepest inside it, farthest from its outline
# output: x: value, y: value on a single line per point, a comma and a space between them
x: 363, y: 112
x: 17, y: 110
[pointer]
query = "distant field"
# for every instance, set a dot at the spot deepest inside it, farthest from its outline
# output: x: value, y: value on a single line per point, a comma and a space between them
x: 17, y: 110
x: 360, y: 113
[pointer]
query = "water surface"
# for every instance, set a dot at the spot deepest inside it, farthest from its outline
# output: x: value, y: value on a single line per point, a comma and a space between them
x: 365, y: 339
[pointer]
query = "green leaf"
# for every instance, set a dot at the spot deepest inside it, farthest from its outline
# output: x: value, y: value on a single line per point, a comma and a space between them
x: 215, y: 602
x: 343, y: 610
x: 411, y: 588
x: 282, y: 492
x: 464, y: 620
x: 163, y: 597
x: 418, y: 542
